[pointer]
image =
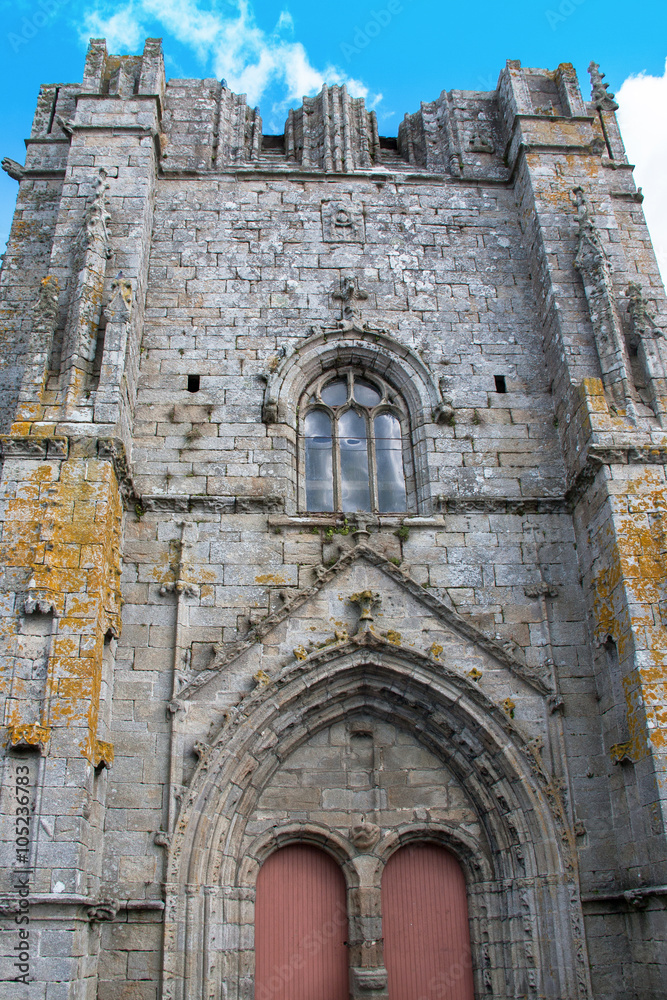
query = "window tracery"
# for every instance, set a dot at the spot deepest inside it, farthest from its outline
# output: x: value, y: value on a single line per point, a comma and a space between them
x: 355, y: 438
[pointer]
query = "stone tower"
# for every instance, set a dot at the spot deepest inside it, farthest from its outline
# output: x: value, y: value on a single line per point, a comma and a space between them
x: 333, y: 548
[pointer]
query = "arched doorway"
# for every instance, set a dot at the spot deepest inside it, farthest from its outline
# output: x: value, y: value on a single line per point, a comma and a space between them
x: 301, y: 927
x: 425, y: 925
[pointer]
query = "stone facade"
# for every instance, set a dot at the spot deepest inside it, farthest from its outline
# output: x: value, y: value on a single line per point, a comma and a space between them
x: 195, y: 668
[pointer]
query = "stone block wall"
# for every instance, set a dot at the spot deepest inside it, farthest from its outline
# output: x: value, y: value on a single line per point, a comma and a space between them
x: 484, y: 669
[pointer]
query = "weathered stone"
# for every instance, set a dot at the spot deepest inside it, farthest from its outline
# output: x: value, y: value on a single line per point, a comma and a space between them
x: 475, y: 660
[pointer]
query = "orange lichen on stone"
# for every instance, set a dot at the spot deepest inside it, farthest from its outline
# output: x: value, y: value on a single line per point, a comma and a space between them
x: 62, y: 532
x: 604, y: 586
x: 98, y: 752
x: 628, y: 592
x: 28, y: 735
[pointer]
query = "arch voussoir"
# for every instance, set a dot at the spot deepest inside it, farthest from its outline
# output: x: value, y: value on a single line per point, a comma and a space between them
x: 522, y: 845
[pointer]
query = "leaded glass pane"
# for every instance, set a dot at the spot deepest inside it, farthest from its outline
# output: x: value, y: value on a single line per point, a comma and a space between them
x: 335, y: 393
x: 354, y: 478
x: 319, y: 466
x: 365, y: 393
x: 389, y: 461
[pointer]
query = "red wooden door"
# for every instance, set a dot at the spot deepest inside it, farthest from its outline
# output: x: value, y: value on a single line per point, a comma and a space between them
x: 300, y: 927
x: 425, y: 926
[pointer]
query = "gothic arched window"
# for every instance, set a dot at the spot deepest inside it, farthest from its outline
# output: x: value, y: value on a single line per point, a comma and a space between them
x: 355, y: 437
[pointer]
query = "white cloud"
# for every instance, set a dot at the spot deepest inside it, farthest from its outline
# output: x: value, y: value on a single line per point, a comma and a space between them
x: 285, y: 21
x: 642, y: 101
x: 123, y: 30
x: 231, y: 43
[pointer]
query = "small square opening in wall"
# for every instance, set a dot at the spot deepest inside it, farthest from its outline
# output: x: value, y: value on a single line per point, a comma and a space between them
x: 193, y: 383
x: 501, y: 385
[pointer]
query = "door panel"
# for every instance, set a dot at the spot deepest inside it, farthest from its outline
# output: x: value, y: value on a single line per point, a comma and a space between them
x: 425, y: 925
x: 300, y: 927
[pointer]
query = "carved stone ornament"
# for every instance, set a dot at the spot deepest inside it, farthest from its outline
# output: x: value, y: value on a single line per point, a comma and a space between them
x: 41, y: 602
x: 102, y: 753
x: 642, y: 322
x: 479, y: 142
x: 47, y: 303
x: 637, y: 898
x: 342, y: 222
x: 9, y: 906
x: 29, y: 736
x: 162, y: 839
x: 104, y: 909
x: 349, y: 294
x: 14, y: 169
x: 621, y: 753
x: 66, y: 127
x: 367, y: 601
x: 598, y: 146
x: 542, y: 589
x: 596, y: 274
x: 119, y: 307
x: 443, y: 412
x: 97, y: 216
x: 455, y: 166
x: 364, y: 836
x: 270, y: 411
x: 600, y: 97
x: 590, y: 252
x: 369, y: 980
x: 509, y: 707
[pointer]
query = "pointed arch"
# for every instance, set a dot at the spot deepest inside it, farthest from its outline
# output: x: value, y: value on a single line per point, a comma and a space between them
x: 367, y: 351
x: 521, y: 871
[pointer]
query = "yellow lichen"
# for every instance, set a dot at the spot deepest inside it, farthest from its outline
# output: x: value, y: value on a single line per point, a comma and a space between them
x: 270, y: 578
x: 63, y: 532
x: 509, y: 707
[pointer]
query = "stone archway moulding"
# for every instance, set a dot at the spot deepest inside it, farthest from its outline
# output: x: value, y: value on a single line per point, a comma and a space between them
x: 524, y: 879
x: 326, y: 351
x: 370, y: 350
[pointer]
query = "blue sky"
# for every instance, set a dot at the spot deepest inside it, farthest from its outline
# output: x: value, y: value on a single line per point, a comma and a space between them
x: 396, y: 53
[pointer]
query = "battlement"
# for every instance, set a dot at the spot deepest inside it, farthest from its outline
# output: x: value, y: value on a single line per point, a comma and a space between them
x: 203, y: 127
